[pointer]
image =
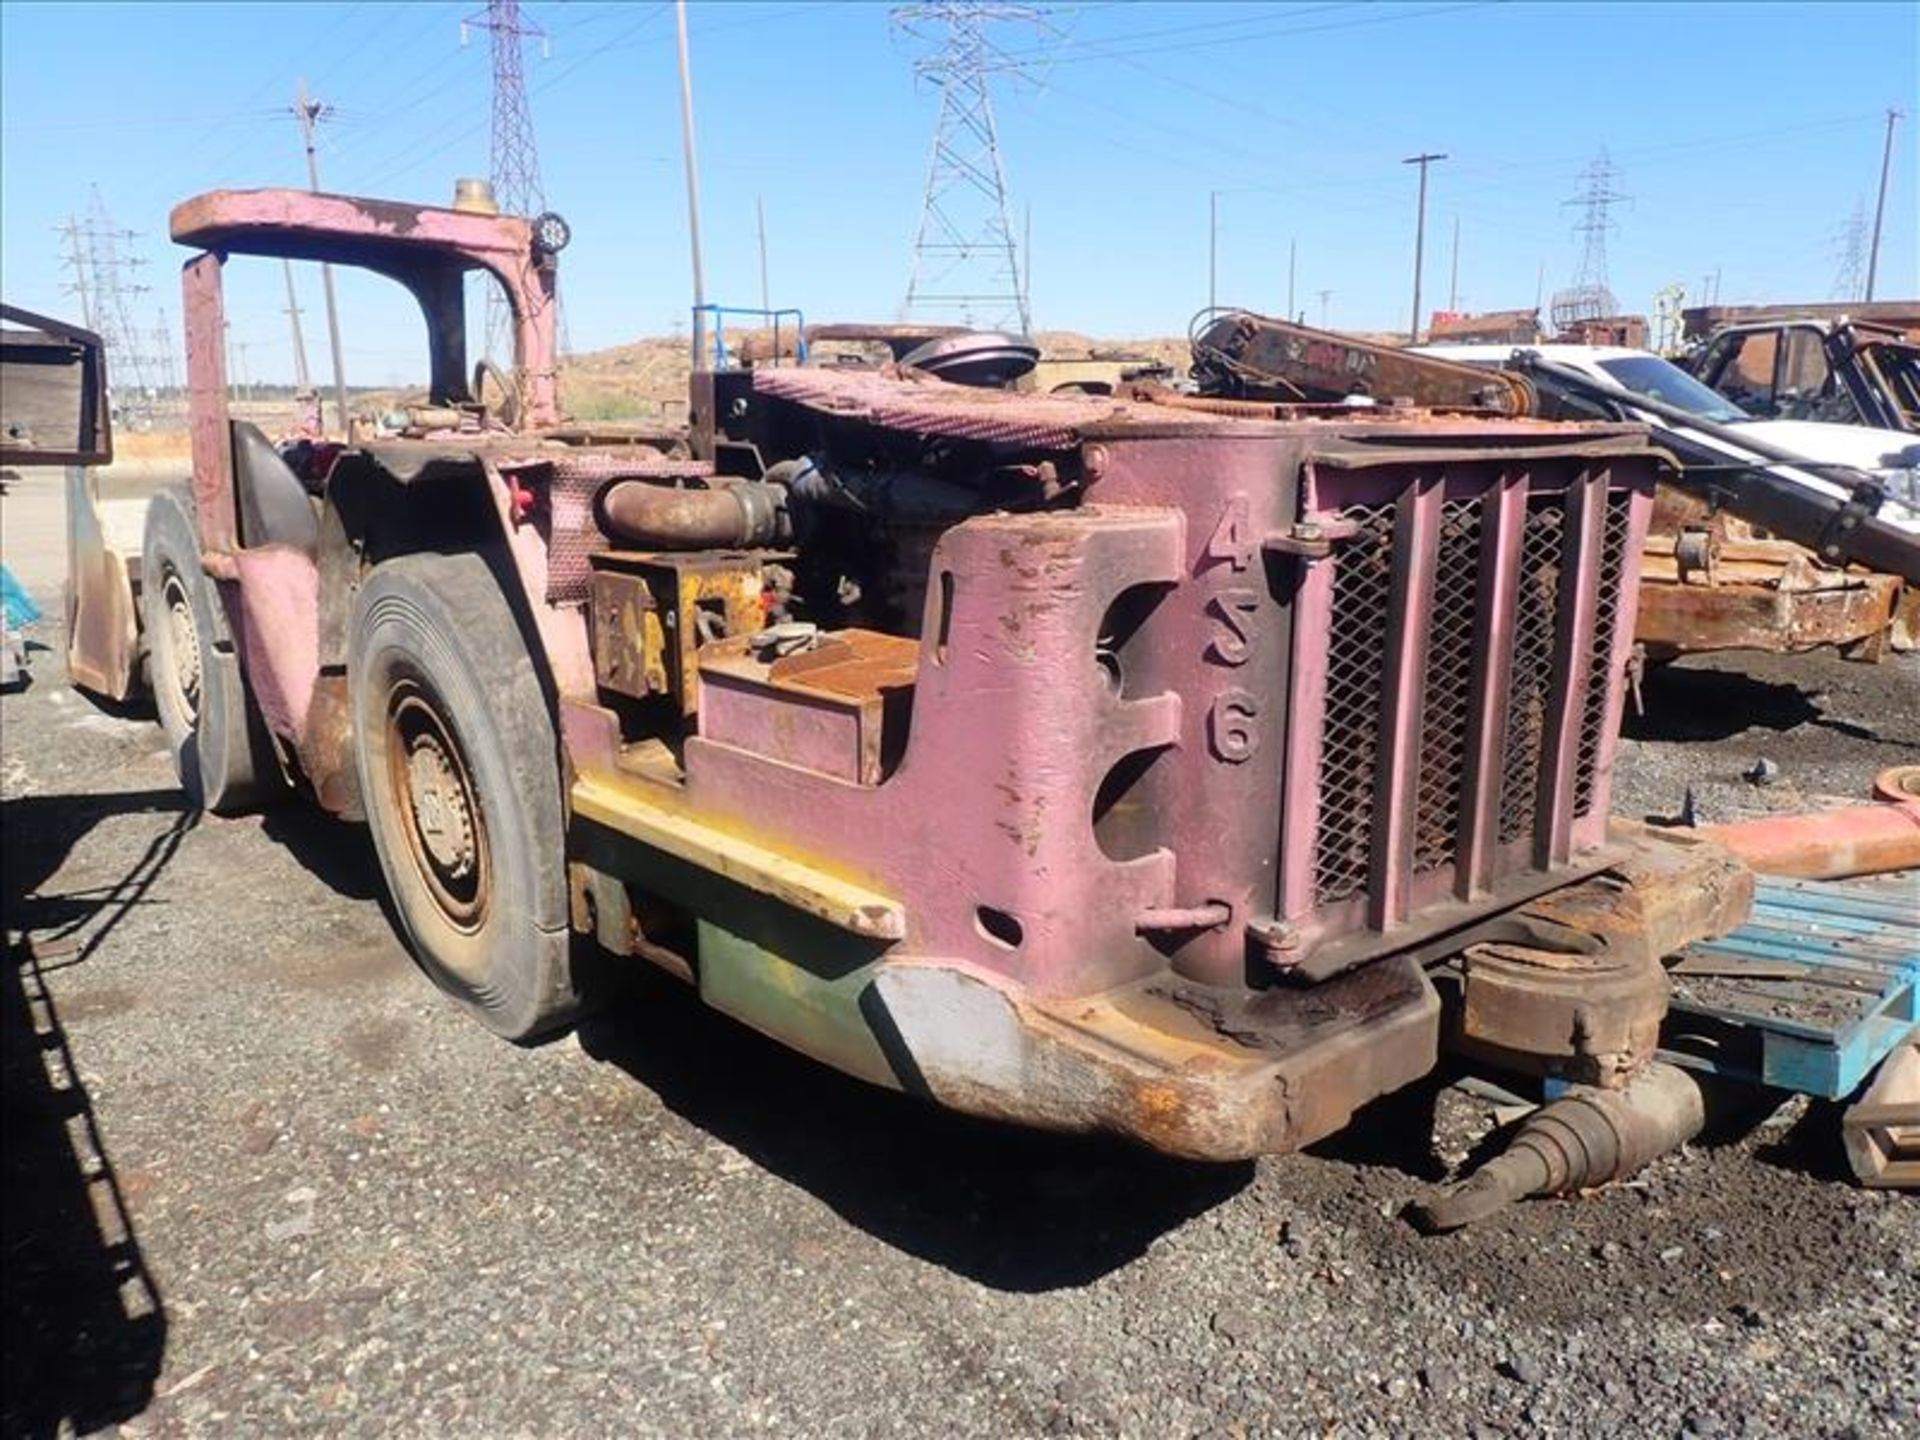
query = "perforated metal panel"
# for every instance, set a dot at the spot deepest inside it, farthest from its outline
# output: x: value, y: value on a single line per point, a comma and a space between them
x: 1600, y: 679
x: 1356, y: 671
x: 1530, y: 686
x: 1448, y: 685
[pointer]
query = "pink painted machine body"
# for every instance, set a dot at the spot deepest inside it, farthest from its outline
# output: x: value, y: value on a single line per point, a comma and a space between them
x: 1156, y: 796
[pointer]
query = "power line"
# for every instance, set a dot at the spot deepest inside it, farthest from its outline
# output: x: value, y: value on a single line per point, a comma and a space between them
x: 965, y: 262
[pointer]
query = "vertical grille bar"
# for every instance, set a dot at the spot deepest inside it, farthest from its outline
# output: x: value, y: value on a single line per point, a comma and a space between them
x: 1416, y: 544
x: 1503, y: 521
x: 1581, y: 550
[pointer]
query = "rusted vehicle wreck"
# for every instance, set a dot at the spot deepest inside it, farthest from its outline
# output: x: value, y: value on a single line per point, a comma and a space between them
x: 1134, y: 765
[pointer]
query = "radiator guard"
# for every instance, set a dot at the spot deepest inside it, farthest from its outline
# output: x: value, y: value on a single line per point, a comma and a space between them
x: 1456, y: 681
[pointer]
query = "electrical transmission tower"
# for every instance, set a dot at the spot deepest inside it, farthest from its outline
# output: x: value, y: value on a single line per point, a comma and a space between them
x: 1850, y: 275
x: 1588, y: 298
x: 965, y: 263
x: 105, y: 278
x: 514, y: 160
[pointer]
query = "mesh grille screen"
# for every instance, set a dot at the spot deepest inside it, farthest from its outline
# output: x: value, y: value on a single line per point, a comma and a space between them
x: 1532, y: 676
x: 1449, y: 676
x: 1593, y: 712
x: 1356, y: 672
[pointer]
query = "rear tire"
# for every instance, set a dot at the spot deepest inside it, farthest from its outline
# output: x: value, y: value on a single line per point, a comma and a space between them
x: 459, y: 772
x: 220, y: 748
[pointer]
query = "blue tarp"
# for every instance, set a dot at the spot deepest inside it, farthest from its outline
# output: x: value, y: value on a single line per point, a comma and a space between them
x: 19, y: 606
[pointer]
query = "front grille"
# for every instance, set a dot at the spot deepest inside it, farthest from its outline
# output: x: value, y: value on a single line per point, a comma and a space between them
x: 1447, y: 686
x: 1495, y: 757
x: 1356, y: 681
x: 1595, y: 710
x: 1530, y: 686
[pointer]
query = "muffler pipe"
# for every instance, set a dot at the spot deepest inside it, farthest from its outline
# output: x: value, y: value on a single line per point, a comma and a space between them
x: 1584, y: 1139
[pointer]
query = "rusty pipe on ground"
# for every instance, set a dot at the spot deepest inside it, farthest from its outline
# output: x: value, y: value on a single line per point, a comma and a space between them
x: 1827, y: 844
x: 727, y: 517
x: 1585, y: 1139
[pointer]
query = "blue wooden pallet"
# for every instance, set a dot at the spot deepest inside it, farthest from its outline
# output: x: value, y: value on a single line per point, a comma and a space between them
x: 1811, y: 994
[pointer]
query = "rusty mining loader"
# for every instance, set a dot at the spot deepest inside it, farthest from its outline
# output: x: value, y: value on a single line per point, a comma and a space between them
x: 1750, y: 546
x: 1151, y: 764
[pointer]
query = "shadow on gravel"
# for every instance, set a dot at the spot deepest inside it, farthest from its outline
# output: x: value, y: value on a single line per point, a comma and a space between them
x: 1014, y: 1209
x: 82, y: 1327
x: 337, y: 853
x: 1687, y: 704
x: 1684, y: 703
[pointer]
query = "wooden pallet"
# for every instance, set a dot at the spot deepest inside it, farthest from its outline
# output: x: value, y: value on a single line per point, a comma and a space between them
x: 1818, y: 987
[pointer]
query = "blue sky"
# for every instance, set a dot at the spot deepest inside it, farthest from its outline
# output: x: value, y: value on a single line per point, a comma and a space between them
x: 1744, y: 135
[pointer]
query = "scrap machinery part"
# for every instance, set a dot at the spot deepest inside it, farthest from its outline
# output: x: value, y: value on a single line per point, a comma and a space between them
x: 1581, y: 1141
x: 1240, y: 353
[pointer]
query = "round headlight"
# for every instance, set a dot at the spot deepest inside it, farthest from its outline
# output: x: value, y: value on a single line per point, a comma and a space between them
x: 550, y: 233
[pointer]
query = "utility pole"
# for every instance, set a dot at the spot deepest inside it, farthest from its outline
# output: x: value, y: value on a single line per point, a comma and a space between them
x: 307, y: 111
x: 1325, y: 296
x: 1213, y: 249
x: 1293, y: 254
x: 513, y: 162
x: 1880, y: 206
x: 1026, y: 258
x: 1419, y: 237
x: 760, y: 213
x: 700, y: 359
x: 1453, y: 287
x: 965, y: 261
x: 300, y: 377
x: 78, y: 264
x: 1589, y: 297
x: 105, y: 279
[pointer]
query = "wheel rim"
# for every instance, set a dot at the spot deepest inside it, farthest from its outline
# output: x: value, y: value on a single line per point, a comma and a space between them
x: 182, y: 667
x: 432, y: 790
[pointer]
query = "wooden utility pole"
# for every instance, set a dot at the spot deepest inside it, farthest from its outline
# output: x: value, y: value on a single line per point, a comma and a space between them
x: 1880, y: 207
x: 1453, y: 286
x: 1419, y: 237
x: 1213, y: 249
x: 760, y: 212
x: 301, y: 381
x: 701, y: 360
x: 307, y: 111
x: 1293, y: 254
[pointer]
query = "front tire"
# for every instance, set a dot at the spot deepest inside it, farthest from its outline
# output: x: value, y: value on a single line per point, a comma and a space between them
x: 459, y: 772
x: 220, y: 749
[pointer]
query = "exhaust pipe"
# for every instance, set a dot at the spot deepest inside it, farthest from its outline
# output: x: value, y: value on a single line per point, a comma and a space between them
x: 738, y: 516
x: 1586, y: 1139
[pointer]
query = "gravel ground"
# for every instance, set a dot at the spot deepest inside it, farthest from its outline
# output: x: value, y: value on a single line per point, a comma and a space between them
x: 351, y: 1210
